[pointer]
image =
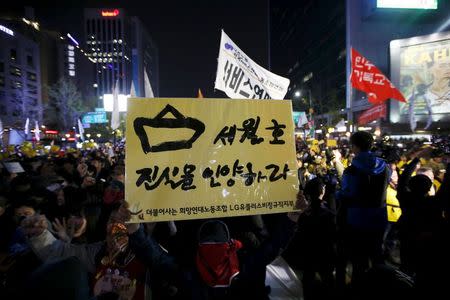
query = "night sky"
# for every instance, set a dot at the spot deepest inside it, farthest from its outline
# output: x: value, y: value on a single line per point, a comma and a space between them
x: 187, y: 34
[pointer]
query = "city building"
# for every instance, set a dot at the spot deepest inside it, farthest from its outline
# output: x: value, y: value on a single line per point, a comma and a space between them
x: 144, y: 57
x: 121, y: 48
x: 311, y: 43
x: 372, y: 27
x: 32, y: 59
x: 20, y: 82
x: 308, y: 47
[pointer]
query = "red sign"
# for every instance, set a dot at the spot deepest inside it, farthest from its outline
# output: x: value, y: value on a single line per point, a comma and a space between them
x: 51, y: 132
x: 368, y: 78
x: 373, y: 113
x: 110, y: 13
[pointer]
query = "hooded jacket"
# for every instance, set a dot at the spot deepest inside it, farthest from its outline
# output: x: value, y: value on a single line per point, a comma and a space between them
x: 362, y: 197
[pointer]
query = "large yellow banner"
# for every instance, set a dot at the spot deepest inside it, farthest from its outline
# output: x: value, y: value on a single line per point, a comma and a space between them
x: 209, y: 158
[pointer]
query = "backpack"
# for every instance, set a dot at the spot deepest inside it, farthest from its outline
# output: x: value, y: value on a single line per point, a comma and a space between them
x: 217, y: 260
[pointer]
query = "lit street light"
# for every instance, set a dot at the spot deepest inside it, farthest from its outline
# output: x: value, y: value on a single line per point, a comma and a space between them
x: 297, y: 94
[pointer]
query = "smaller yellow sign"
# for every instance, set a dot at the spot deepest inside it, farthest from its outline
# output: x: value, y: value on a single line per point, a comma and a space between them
x: 331, y: 143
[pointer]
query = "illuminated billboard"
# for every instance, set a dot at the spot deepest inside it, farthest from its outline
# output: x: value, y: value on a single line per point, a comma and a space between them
x: 108, y: 102
x: 408, y: 4
x: 420, y: 67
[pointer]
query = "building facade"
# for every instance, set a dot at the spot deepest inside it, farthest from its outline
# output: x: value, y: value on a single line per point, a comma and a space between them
x: 122, y: 49
x: 308, y: 47
x: 371, y: 26
x: 20, y: 81
x: 144, y: 57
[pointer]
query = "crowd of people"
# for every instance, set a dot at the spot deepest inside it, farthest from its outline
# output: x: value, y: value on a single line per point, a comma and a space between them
x: 373, y: 223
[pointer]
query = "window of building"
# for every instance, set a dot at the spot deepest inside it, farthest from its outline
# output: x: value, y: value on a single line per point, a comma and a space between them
x: 307, y: 77
x: 31, y: 76
x: 16, y: 84
x: 30, y: 62
x: 15, y: 71
x: 33, y: 102
x: 32, y: 89
x: 13, y: 54
x: 88, y: 26
x: 342, y: 54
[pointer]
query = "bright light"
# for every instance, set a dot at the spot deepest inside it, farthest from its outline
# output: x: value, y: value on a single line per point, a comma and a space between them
x: 99, y: 135
x: 108, y: 102
x: 72, y: 39
x: 88, y: 135
x: 411, y: 4
x: 377, y: 132
x: 341, y: 129
x: 297, y: 94
x: 95, y: 85
x: 26, y: 21
x: 77, y: 135
x: 67, y: 135
x: 110, y: 13
x: 42, y: 126
x: 6, y: 30
x: 348, y: 134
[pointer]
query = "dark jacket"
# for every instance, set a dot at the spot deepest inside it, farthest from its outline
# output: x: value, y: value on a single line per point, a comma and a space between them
x: 362, y: 197
x: 316, y: 238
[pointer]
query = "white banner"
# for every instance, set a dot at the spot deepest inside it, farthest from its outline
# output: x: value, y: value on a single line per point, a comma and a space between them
x: 241, y: 78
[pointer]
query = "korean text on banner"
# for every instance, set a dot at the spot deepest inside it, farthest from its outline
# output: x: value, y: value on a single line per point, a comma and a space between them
x: 240, y: 77
x: 209, y: 158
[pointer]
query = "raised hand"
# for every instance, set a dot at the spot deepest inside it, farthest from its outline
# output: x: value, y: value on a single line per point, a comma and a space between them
x: 300, y: 206
x: 60, y: 229
x: 123, y: 215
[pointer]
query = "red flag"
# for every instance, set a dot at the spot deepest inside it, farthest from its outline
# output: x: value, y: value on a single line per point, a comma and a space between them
x: 367, y: 78
x: 373, y: 113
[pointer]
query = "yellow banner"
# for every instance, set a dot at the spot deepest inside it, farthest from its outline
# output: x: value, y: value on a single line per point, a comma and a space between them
x: 209, y: 158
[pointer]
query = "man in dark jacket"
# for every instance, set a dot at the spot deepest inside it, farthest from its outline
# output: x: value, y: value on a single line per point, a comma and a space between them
x: 362, y: 216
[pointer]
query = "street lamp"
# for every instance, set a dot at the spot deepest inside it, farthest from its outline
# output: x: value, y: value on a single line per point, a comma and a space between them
x: 297, y: 94
x: 99, y: 135
x: 88, y: 135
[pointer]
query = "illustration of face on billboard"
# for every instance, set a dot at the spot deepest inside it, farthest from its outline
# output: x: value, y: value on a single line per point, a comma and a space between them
x: 425, y: 78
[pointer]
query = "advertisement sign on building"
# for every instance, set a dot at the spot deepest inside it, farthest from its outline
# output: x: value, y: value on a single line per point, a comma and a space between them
x: 94, y: 117
x: 420, y: 67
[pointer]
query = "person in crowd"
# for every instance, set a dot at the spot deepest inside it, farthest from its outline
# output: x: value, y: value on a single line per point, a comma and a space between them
x: 315, y: 240
x: 424, y: 229
x: 118, y: 265
x: 224, y: 269
x: 362, y: 206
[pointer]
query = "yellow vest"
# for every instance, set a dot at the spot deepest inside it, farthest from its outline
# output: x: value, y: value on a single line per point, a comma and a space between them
x: 392, y: 205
